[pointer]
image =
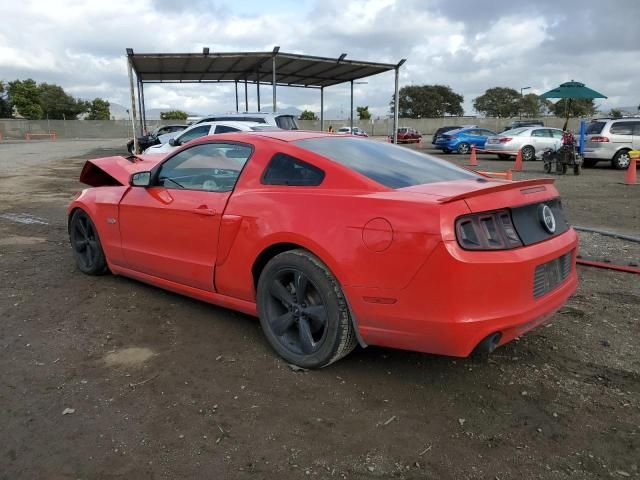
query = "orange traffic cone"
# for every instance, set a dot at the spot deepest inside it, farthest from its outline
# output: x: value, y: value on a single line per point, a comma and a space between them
x: 474, y: 160
x: 631, y: 175
x: 509, y: 175
x: 518, y: 165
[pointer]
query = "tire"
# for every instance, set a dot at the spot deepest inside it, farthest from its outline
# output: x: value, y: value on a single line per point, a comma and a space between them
x: 621, y: 160
x: 576, y: 169
x: 446, y: 150
x: 504, y: 156
x: 528, y: 153
x: 563, y: 168
x: 463, y: 148
x: 547, y: 167
x: 590, y: 162
x: 86, y: 246
x: 309, y: 340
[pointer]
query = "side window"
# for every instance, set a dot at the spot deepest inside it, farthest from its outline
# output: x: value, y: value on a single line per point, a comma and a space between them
x: 538, y: 133
x: 621, y: 128
x: 196, y: 132
x: 225, y: 129
x: 556, y: 133
x: 286, y: 122
x: 284, y: 169
x: 212, y: 167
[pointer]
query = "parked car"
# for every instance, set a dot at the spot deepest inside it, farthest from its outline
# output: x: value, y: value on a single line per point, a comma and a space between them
x: 524, y: 123
x: 203, y: 129
x: 153, y: 138
x: 403, y: 260
x: 532, y: 141
x: 462, y: 139
x: 285, y: 121
x: 442, y: 130
x: 610, y: 140
x: 408, y: 135
x: 358, y: 132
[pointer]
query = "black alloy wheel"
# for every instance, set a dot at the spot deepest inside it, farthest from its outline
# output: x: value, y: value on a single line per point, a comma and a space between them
x: 85, y: 242
x: 528, y: 153
x: 302, y: 310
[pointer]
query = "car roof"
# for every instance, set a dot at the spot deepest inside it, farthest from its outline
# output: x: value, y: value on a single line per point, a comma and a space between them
x: 228, y: 123
x: 245, y: 114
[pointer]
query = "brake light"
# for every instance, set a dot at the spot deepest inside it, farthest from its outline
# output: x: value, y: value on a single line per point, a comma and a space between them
x: 487, y: 231
x: 504, y: 139
x: 599, y: 139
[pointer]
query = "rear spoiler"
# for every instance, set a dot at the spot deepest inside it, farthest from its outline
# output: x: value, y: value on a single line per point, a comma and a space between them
x: 525, y: 186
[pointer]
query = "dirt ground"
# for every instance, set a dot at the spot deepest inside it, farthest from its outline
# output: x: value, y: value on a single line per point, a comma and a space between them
x: 105, y: 377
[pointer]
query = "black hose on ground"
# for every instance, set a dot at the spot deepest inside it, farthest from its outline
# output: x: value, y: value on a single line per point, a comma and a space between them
x: 606, y: 233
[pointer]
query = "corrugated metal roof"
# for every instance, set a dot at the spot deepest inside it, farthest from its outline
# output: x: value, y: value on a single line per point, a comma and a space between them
x: 291, y: 69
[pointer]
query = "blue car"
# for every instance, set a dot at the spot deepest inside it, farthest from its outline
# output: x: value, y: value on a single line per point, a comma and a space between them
x: 461, y: 140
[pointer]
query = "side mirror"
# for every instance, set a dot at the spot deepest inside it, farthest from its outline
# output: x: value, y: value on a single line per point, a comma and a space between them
x: 140, y: 179
x: 174, y: 143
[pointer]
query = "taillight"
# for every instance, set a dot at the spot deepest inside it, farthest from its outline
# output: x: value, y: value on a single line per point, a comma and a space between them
x: 504, y: 139
x: 487, y: 231
x: 599, y: 139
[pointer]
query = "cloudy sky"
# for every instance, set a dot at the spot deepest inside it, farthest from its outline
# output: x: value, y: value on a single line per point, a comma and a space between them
x: 469, y: 45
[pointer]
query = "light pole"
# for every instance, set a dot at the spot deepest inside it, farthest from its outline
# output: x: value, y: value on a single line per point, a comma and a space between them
x: 351, y: 115
x: 521, y: 97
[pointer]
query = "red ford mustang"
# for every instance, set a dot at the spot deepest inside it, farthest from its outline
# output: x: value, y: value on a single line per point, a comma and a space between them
x: 332, y: 241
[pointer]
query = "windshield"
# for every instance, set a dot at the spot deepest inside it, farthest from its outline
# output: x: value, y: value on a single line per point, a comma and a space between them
x: 344, y: 129
x: 387, y: 164
x: 286, y: 122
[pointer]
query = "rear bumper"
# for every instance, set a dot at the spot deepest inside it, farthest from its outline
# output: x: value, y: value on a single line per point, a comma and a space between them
x: 458, y: 298
x: 500, y: 147
x: 447, y: 145
x: 600, y: 151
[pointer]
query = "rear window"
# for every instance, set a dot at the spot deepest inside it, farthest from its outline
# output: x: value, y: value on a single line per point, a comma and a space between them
x: 286, y: 122
x: 515, y: 131
x: 385, y: 163
x: 233, y: 118
x: 594, y: 128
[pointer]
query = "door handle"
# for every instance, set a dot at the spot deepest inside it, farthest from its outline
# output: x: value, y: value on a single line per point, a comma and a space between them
x: 204, y: 210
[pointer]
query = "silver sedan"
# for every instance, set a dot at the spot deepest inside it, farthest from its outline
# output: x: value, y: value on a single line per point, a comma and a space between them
x: 532, y: 140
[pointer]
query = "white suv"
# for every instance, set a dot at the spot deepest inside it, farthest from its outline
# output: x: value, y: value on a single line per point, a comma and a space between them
x: 284, y: 121
x: 611, y: 140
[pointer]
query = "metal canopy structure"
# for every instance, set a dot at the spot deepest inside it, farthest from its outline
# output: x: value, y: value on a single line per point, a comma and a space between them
x: 273, y: 68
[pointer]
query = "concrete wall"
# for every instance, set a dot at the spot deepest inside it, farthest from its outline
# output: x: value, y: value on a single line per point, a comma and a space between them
x: 17, y: 129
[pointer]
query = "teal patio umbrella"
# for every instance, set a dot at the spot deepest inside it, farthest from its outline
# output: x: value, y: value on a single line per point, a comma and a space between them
x: 571, y: 90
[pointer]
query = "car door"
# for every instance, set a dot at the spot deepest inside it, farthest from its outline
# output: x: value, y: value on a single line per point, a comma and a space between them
x: 636, y: 135
x: 170, y: 229
x: 541, y: 138
x: 621, y: 134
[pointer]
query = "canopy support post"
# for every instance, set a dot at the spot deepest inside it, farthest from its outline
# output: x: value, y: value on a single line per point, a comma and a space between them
x: 351, y: 111
x: 133, y: 102
x: 273, y: 84
x: 258, y: 89
x: 396, y: 101
x: 140, y: 108
x: 322, y: 109
x: 246, y: 96
x: 143, y: 112
x: 237, y: 106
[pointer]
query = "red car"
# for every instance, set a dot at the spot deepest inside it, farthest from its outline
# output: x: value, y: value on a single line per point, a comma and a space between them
x: 408, y: 135
x: 332, y: 241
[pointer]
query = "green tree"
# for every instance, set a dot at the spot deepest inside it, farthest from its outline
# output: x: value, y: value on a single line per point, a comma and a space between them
x: 25, y: 97
x: 5, y: 104
x: 615, y: 113
x: 174, y: 115
x: 498, y: 102
x: 531, y: 105
x: 308, y: 115
x: 57, y: 104
x: 363, y: 113
x: 428, y: 101
x: 99, y: 110
x: 574, y: 107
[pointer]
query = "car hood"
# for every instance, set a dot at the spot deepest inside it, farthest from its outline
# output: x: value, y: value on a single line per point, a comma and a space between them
x: 113, y: 171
